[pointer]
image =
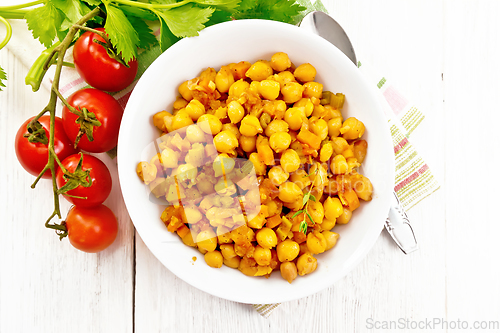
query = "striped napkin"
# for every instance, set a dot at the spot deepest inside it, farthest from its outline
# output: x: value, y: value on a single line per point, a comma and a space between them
x: 414, y: 180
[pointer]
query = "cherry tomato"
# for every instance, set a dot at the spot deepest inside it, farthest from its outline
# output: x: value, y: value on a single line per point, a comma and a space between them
x: 34, y: 156
x: 91, y: 229
x: 97, y: 68
x: 107, y: 111
x: 101, y: 180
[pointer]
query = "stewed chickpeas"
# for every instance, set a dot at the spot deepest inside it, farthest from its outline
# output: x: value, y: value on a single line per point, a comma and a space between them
x: 274, y: 211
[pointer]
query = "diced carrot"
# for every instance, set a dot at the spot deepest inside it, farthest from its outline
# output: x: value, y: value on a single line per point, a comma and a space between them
x: 307, y: 137
x: 273, y: 221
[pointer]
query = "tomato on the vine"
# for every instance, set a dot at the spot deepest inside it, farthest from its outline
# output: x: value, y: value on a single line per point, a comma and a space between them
x: 107, y: 111
x: 97, y: 68
x: 33, y: 156
x: 99, y: 175
x: 91, y: 229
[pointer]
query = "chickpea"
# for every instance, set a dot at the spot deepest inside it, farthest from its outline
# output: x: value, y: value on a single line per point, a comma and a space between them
x: 188, y: 239
x: 306, y: 104
x: 179, y: 103
x: 264, y: 120
x: 224, y: 79
x: 345, y: 217
x: 359, y: 150
x: 334, y: 126
x: 352, y: 129
x: 313, y: 89
x: 169, y: 158
x: 290, y: 160
x: 305, y: 73
x: 195, y: 134
x: 327, y: 224
x: 269, y: 89
x: 185, y: 92
x: 235, y: 112
x: 274, y: 207
x: 158, y: 187
x: 213, y: 259
x: 223, y: 235
x: 158, y: 120
x: 227, y: 251
x: 333, y: 208
x: 326, y: 152
x: 280, y: 61
x: 258, y: 164
x: 248, y: 143
x: 331, y: 239
x: 315, y: 209
x: 316, y: 242
x: 300, y: 178
x: 290, y: 192
x: 288, y: 271
x: 238, y: 88
x: 250, y: 126
x: 292, y: 92
x: 225, y: 142
x: 192, y: 214
x: 295, y: 117
x: 284, y: 78
x: 262, y: 255
x: 339, y: 144
x: 287, y: 250
x: 280, y: 141
x: 232, y: 262
x: 339, y: 165
x: 231, y: 128
x: 206, y: 240
x: 363, y: 188
x: 277, y: 175
x: 195, y: 109
x: 180, y: 120
x: 319, y: 127
x: 210, y: 124
x: 276, y: 126
x: 146, y: 172
x: 306, y: 264
x: 259, y: 71
x: 266, y: 238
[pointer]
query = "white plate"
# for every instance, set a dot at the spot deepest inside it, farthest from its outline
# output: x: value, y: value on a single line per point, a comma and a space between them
x: 252, y: 40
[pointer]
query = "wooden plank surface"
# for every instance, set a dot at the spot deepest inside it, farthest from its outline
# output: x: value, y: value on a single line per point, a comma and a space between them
x: 45, y: 284
x: 443, y: 55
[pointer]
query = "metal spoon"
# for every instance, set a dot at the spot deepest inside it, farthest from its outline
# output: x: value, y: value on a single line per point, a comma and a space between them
x: 397, y: 223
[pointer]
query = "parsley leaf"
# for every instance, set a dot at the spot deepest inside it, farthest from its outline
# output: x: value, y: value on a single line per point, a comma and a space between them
x: 218, y: 16
x: 93, y: 2
x: 281, y: 10
x: 167, y: 38
x: 187, y: 20
x: 146, y: 37
x: 227, y: 5
x: 44, y: 23
x: 3, y: 77
x: 138, y: 12
x: 121, y: 33
x: 73, y: 10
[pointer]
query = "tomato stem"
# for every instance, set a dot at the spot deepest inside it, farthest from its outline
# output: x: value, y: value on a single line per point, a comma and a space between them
x: 60, y: 49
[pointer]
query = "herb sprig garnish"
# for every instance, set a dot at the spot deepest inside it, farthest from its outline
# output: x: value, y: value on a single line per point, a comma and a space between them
x: 305, y: 203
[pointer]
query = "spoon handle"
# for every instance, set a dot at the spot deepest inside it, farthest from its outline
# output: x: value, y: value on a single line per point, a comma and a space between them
x: 399, y: 227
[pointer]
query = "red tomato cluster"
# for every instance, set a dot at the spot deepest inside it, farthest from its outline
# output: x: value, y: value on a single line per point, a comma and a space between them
x: 91, y: 226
